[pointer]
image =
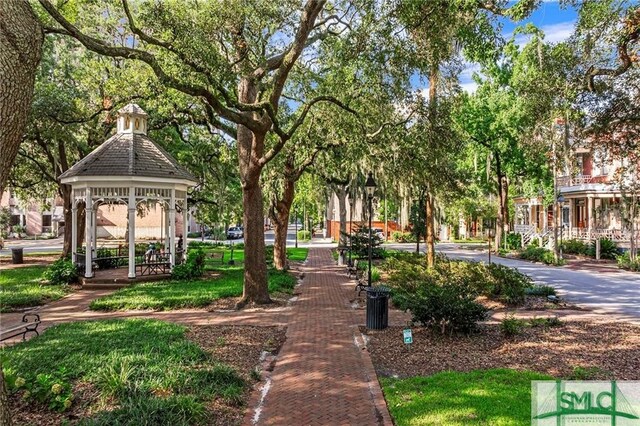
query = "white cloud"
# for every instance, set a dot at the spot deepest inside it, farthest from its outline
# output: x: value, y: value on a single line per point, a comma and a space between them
x: 470, y: 87
x: 553, y: 33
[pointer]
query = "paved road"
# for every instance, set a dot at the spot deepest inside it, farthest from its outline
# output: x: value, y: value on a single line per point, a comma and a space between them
x: 55, y: 245
x: 608, y: 292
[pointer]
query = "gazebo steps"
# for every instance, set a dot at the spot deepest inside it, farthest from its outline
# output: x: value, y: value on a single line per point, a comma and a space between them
x: 117, y: 278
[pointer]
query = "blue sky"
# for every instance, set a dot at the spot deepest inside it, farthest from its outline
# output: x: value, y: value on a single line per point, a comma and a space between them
x: 557, y: 23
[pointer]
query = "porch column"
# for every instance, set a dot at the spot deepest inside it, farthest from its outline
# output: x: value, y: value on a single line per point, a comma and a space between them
x: 589, y: 215
x: 185, y: 228
x: 88, y: 234
x: 545, y: 217
x: 74, y: 231
x: 172, y: 229
x: 131, y: 216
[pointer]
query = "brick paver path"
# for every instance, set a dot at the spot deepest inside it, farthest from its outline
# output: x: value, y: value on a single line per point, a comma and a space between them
x: 322, y: 377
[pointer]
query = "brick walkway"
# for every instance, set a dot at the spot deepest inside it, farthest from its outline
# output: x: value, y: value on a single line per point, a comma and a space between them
x: 322, y: 377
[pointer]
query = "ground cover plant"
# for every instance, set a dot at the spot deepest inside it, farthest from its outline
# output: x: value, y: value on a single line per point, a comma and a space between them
x: 497, y: 397
x: 131, y: 371
x: 539, y: 254
x: 25, y: 286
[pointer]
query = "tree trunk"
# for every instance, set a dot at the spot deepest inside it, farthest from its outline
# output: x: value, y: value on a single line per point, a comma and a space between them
x: 341, y: 193
x: 5, y: 414
x: 280, y: 216
x: 250, y: 150
x: 429, y: 240
x: 21, y: 40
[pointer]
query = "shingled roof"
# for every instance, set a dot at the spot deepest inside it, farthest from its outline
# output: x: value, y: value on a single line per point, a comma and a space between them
x: 129, y: 154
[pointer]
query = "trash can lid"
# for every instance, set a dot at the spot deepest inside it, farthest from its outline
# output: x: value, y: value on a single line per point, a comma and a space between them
x: 378, y: 289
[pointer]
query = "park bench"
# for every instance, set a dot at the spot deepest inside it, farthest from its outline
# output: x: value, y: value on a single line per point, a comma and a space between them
x: 218, y: 255
x: 27, y: 327
x: 352, y: 268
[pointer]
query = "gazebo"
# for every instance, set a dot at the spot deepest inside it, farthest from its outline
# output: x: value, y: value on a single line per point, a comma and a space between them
x: 128, y: 168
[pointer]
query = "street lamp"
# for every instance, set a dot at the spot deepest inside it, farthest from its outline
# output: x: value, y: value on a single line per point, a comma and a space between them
x: 491, y: 234
x: 350, y: 228
x: 295, y: 225
x: 370, y: 187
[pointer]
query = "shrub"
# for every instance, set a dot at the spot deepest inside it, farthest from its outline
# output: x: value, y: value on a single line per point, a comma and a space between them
x: 508, y: 283
x: 608, y: 249
x: 512, y: 326
x: 238, y: 246
x: 268, y: 254
x: 539, y: 254
x: 514, y: 241
x: 625, y: 262
x: 62, y: 271
x: 545, y: 322
x: 360, y: 243
x: 304, y: 235
x: 192, y: 268
x: 435, y: 299
x: 540, y: 290
x: 574, y: 246
x: 403, y: 237
x: 194, y: 234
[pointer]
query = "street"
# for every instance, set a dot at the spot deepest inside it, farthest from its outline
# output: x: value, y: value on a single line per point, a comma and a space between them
x: 615, y: 292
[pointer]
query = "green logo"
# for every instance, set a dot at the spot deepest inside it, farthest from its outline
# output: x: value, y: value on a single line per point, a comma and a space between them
x: 585, y: 402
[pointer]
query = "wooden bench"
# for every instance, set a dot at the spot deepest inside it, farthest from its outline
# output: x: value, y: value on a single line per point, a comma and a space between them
x: 218, y: 255
x: 27, y: 327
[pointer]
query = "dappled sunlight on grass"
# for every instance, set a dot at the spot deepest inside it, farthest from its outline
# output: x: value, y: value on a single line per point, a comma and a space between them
x: 498, y: 397
x: 22, y: 287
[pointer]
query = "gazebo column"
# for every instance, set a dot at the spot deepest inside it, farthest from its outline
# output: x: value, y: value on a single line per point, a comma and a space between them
x: 131, y: 219
x: 167, y: 246
x: 88, y: 234
x: 74, y: 232
x: 94, y: 230
x: 172, y: 228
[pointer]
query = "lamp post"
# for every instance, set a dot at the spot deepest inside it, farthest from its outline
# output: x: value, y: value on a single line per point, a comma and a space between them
x: 295, y: 225
x: 350, y: 228
x: 492, y: 232
x: 370, y: 187
x: 560, y: 201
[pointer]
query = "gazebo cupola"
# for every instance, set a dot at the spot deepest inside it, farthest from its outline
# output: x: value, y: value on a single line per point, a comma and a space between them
x: 128, y: 168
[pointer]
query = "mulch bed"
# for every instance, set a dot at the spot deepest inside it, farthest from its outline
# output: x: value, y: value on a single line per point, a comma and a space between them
x: 240, y: 347
x: 5, y: 261
x: 608, y: 350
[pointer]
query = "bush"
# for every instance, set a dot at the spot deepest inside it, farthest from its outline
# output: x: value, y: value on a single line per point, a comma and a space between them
x: 360, y: 243
x: 192, y: 268
x: 514, y: 241
x: 403, y: 237
x: 304, y: 235
x: 539, y: 254
x: 436, y: 299
x: 62, y: 271
x: 625, y: 262
x: 194, y: 234
x: 512, y: 326
x: 608, y: 249
x: 540, y: 290
x: 574, y: 246
x: 508, y: 283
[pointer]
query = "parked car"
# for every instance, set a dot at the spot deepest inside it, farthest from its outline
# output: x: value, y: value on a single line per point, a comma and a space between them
x: 378, y: 232
x: 235, y: 232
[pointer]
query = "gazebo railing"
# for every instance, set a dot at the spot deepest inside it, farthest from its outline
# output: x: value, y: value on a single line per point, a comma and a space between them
x: 156, y: 262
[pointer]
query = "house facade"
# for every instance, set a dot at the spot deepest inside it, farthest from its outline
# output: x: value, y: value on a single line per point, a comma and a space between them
x: 589, y: 203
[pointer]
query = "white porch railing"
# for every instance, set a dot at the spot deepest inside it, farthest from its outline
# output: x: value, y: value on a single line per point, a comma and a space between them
x: 574, y: 180
x: 529, y: 233
x: 522, y: 229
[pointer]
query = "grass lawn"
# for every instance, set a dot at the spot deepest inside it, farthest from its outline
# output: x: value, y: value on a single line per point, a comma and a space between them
x: 168, y: 295
x: 297, y: 254
x: 497, y: 397
x: 130, y: 371
x: 22, y: 287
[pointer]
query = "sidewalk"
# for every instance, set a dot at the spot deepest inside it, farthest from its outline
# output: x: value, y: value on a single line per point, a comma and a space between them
x: 322, y: 377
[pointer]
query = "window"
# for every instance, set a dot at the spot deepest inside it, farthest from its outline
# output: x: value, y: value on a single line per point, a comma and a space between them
x: 15, y: 220
x: 46, y: 220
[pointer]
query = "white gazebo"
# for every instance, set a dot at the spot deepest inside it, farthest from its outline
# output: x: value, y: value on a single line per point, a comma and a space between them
x: 128, y: 168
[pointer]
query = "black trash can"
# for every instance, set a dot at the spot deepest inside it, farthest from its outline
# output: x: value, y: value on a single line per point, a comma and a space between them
x: 16, y: 255
x: 377, y: 308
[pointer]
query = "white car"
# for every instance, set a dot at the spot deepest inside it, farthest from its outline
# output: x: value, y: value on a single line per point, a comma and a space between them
x: 378, y: 232
x: 235, y: 232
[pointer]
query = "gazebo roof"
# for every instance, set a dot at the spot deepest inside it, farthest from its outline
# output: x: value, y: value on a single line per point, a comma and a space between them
x: 129, y: 153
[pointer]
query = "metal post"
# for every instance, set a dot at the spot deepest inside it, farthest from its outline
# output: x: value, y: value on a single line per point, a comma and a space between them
x: 370, y: 239
x: 295, y: 226
x: 350, y: 229
x: 489, y: 247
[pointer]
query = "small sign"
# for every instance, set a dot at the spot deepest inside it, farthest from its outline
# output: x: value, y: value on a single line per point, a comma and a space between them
x: 408, y: 337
